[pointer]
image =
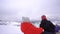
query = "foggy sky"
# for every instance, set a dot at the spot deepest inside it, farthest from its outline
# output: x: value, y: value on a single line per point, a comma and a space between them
x: 15, y: 9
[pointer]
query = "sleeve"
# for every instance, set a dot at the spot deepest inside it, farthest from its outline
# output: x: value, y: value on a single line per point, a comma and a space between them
x: 42, y: 24
x: 52, y: 25
x: 23, y: 28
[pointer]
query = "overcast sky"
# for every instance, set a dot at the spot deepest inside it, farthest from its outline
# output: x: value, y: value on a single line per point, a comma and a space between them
x: 15, y: 9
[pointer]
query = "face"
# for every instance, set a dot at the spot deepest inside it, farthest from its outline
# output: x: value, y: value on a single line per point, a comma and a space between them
x: 43, y: 17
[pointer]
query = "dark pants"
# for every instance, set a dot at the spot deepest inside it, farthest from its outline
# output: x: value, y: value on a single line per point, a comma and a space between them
x: 45, y: 32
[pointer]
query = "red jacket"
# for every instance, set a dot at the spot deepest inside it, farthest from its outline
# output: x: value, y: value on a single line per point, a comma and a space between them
x: 28, y: 28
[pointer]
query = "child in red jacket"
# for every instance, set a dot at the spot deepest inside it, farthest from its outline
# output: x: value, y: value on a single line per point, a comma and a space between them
x: 28, y: 28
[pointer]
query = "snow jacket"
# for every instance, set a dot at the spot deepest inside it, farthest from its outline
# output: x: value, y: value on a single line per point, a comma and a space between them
x: 28, y: 28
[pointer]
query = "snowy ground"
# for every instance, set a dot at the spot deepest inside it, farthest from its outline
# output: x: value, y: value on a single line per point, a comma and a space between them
x: 10, y: 29
x: 14, y: 28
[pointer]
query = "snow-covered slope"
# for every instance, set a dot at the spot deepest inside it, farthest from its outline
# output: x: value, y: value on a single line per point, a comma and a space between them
x: 10, y: 29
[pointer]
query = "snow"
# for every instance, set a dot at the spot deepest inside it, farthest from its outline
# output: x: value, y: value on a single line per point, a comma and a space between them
x: 10, y: 29
x: 13, y: 28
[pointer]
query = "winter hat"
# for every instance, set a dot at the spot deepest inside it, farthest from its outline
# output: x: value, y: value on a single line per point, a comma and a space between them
x: 25, y: 19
